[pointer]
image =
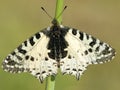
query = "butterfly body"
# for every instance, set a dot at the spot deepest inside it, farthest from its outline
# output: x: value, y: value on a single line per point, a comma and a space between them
x: 56, y: 47
x: 57, y: 43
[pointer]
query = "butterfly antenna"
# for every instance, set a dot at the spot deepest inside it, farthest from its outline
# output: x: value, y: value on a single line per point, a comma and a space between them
x: 61, y: 12
x: 46, y: 12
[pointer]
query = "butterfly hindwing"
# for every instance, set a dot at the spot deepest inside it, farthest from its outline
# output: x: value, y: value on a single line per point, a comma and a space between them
x: 84, y: 49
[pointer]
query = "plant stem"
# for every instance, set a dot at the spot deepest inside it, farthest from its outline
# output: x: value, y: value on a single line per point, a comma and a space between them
x: 59, y: 9
x: 50, y: 81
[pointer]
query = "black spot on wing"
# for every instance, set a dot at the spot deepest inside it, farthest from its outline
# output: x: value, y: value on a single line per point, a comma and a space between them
x: 93, y: 42
x: 21, y: 50
x: 90, y: 50
x: 106, y: 50
x: 25, y: 43
x: 19, y: 57
x: 64, y: 54
x: 81, y: 35
x: 37, y: 35
x: 51, y: 54
x: 43, y: 72
x: 31, y: 41
x: 13, y: 53
x: 8, y: 58
x: 38, y: 73
x: 69, y: 56
x: 32, y: 58
x: 87, y: 36
x: 74, y: 69
x: 50, y: 70
x: 74, y: 31
x: 101, y: 43
x: 86, y: 52
x: 97, y: 48
x: 80, y: 69
x: 46, y: 58
x: 67, y: 68
x: 11, y: 62
x: 27, y: 57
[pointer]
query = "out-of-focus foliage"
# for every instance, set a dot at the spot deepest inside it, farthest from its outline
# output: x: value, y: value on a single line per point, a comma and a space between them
x: 19, y: 19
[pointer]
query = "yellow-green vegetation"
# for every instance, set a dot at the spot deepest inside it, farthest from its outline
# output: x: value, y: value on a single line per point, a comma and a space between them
x: 20, y: 19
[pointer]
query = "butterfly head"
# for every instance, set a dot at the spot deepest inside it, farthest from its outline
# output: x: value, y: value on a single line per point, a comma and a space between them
x: 55, y: 22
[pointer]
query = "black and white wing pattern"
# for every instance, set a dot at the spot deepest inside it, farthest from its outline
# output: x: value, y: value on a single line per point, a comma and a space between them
x: 57, y: 47
x: 31, y: 56
x: 83, y: 50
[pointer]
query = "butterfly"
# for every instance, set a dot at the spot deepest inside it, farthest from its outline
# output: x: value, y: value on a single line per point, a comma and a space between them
x: 55, y: 47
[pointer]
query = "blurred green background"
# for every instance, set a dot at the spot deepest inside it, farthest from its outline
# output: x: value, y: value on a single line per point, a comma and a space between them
x: 19, y: 19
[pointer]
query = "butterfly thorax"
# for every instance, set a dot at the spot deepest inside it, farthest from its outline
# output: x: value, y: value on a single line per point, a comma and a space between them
x: 57, y: 43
